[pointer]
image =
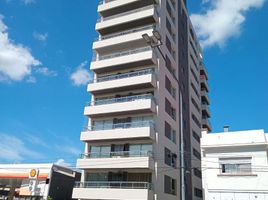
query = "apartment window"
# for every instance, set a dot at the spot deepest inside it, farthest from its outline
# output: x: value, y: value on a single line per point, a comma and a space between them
x: 170, y: 185
x: 196, y: 120
x: 195, y: 90
x: 168, y: 9
x: 198, y: 192
x: 170, y: 133
x: 192, y: 58
x: 169, y: 109
x: 196, y: 137
x: 235, y: 165
x: 195, y: 104
x: 170, y: 88
x: 100, y: 151
x: 169, y: 66
x: 197, y: 173
x: 170, y: 158
x: 195, y: 76
x: 196, y: 154
x: 168, y: 44
x: 168, y: 25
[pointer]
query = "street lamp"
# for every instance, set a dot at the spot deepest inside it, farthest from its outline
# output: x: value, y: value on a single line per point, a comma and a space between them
x: 155, y: 41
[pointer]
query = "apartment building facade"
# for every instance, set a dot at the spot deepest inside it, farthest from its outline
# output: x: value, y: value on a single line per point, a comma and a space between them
x: 146, y: 113
x: 235, y: 165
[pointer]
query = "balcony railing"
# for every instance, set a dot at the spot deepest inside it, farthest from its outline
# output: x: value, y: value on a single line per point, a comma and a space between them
x: 117, y: 154
x: 125, y: 75
x: 121, y: 100
x: 125, y: 13
x: 125, y: 32
x: 138, y: 124
x: 122, y: 53
x: 114, y: 185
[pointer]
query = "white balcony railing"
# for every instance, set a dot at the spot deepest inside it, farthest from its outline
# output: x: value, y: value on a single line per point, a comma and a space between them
x: 122, y: 76
x: 120, y: 100
x: 135, y: 30
x: 114, y: 185
x: 138, y: 124
x: 117, y: 154
x: 122, y: 53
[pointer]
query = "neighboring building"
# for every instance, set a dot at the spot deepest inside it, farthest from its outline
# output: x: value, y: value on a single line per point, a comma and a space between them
x: 146, y: 109
x: 235, y: 166
x: 37, y: 181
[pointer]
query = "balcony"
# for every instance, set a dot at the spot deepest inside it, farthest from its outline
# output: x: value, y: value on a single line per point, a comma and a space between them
x: 117, y: 160
x: 112, y: 7
x: 206, y: 124
x: 122, y: 40
x: 113, y: 190
x: 206, y: 110
x: 120, y: 82
x: 115, y: 106
x: 127, y: 20
x: 123, y: 60
x: 122, y: 131
x: 205, y: 97
x: 203, y: 71
x: 204, y: 83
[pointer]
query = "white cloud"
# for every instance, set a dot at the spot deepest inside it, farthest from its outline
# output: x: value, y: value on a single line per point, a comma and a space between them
x: 40, y: 36
x: 31, y: 79
x: 16, y: 61
x: 68, y: 149
x: 14, y: 149
x: 36, y: 140
x: 62, y: 162
x: 45, y: 71
x: 222, y: 20
x: 81, y: 76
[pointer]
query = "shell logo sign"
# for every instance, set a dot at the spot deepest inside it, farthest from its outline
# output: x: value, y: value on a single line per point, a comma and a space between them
x: 33, y: 174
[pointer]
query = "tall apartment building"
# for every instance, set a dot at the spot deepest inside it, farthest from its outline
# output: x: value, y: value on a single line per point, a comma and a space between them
x: 145, y: 117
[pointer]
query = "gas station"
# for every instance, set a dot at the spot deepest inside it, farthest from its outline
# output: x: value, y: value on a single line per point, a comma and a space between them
x: 36, y: 181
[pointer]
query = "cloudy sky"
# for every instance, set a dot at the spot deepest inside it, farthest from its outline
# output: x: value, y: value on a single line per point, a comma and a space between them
x: 45, y: 51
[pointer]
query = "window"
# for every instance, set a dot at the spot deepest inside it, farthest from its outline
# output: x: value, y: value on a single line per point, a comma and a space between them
x: 170, y: 88
x: 198, y: 192
x: 197, y: 122
x: 170, y: 133
x: 195, y: 90
x: 196, y: 154
x: 170, y: 186
x: 168, y: 9
x: 169, y: 66
x: 197, y: 173
x: 195, y: 104
x: 196, y: 137
x: 168, y: 44
x: 168, y: 25
x: 169, y: 109
x: 100, y: 151
x: 235, y: 165
x: 140, y: 149
x: 170, y: 158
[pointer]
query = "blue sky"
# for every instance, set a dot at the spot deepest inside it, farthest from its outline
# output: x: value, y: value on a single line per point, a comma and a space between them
x: 46, y: 50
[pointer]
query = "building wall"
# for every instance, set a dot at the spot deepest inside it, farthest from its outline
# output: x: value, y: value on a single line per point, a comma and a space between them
x: 221, y: 186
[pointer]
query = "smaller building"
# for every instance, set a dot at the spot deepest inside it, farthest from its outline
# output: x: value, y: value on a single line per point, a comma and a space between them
x: 234, y: 165
x: 37, y: 181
